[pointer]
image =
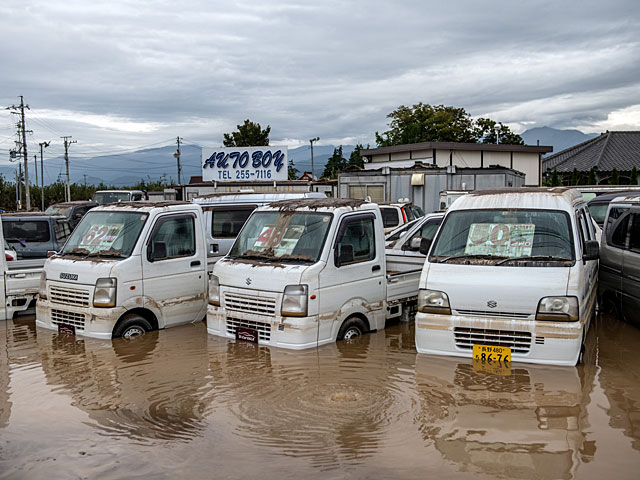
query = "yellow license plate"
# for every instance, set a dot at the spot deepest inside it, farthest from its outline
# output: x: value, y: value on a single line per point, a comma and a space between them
x: 491, y: 359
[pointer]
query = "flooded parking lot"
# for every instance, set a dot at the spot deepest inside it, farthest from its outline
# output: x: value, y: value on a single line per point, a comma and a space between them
x: 183, y: 404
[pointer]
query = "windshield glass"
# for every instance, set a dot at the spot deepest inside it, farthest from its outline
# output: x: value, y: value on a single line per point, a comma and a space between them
x: 598, y: 211
x: 282, y: 236
x: 53, y: 210
x: 24, y: 231
x: 112, y: 234
x: 111, y: 197
x: 504, y: 237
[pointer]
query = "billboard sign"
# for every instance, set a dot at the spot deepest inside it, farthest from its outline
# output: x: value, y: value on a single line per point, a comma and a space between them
x: 237, y: 164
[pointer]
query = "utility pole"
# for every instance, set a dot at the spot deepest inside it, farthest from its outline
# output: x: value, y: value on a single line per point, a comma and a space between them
x: 85, y: 180
x: 311, y: 142
x: 35, y: 167
x: 43, y: 145
x: 23, y: 132
x: 177, y: 156
x: 19, y: 187
x: 66, y: 161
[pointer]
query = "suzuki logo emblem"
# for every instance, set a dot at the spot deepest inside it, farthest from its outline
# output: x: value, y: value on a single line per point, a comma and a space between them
x: 248, y: 281
x: 492, y: 304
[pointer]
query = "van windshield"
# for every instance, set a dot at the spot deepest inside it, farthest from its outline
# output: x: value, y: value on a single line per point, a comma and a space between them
x: 505, y: 237
x: 282, y: 236
x: 103, y: 198
x: 106, y: 234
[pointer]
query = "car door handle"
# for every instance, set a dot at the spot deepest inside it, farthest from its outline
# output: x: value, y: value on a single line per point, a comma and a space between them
x: 375, y: 268
x: 195, y: 263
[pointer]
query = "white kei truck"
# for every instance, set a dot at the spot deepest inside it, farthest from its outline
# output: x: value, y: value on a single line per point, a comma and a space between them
x: 512, y: 274
x: 19, y: 282
x: 307, y: 272
x: 126, y: 269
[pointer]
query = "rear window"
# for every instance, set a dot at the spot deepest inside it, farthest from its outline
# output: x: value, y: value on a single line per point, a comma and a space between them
x: 389, y: 217
x: 227, y: 223
x: 26, y: 230
x: 62, y: 230
x: 598, y: 212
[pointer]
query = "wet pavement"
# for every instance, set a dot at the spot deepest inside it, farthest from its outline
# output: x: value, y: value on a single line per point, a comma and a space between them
x: 183, y: 404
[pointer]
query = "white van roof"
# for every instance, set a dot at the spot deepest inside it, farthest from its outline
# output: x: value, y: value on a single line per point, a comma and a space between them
x: 327, y: 205
x: 553, y: 198
x: 629, y: 198
x: 253, y: 198
x: 147, y: 206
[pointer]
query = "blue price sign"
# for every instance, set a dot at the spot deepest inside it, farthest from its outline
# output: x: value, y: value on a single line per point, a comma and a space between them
x: 235, y: 164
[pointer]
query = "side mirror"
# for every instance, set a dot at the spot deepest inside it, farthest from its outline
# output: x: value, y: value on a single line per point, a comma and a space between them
x: 158, y: 251
x: 425, y: 245
x: 51, y: 253
x: 415, y: 243
x: 346, y: 255
x: 591, y: 250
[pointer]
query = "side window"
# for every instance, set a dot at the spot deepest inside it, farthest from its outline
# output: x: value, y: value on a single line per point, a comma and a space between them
x: 389, y: 217
x: 427, y: 231
x: 619, y: 235
x: 357, y: 243
x: 634, y: 237
x: 136, y: 197
x: 227, y: 222
x: 582, y: 226
x: 61, y: 230
x: 172, y: 237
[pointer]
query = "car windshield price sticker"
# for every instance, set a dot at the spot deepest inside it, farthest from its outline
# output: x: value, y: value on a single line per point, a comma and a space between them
x: 100, y: 237
x: 501, y: 239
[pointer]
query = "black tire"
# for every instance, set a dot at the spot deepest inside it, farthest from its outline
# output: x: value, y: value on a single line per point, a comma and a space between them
x: 351, y: 328
x: 131, y: 326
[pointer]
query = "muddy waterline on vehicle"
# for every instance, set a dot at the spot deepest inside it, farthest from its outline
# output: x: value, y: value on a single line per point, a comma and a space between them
x: 183, y: 404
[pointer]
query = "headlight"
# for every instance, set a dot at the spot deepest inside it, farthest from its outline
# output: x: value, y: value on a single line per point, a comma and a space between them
x: 42, y: 291
x: 214, y: 290
x: 295, y: 301
x: 104, y: 294
x: 433, y: 301
x: 558, y: 309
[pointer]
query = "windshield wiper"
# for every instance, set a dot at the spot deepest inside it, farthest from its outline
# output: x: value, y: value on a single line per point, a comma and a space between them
x: 537, y: 258
x: 473, y: 256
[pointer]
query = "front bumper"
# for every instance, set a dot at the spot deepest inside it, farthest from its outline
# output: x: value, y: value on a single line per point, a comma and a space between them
x: 89, y: 322
x: 296, y: 333
x: 548, y: 343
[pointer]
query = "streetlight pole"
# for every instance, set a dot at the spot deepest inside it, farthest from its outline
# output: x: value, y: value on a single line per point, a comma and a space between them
x: 43, y: 145
x: 311, y: 141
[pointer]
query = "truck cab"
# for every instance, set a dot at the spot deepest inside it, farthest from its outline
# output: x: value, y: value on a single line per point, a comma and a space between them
x: 126, y: 269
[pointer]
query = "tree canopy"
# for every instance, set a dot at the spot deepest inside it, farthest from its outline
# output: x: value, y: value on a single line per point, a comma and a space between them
x: 249, y: 134
x: 355, y: 159
x: 335, y: 163
x: 440, y: 123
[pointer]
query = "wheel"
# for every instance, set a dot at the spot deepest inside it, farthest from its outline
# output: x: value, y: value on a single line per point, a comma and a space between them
x: 131, y: 326
x: 352, y: 327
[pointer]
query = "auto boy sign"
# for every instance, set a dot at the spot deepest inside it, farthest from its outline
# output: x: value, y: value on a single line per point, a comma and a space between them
x: 233, y: 164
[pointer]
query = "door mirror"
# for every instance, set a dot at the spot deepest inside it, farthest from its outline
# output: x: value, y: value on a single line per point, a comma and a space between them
x: 591, y: 250
x: 158, y: 251
x: 415, y: 243
x: 346, y: 255
x: 425, y: 245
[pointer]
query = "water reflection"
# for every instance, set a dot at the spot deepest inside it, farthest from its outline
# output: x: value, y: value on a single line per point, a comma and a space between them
x: 133, y: 388
x: 525, y: 425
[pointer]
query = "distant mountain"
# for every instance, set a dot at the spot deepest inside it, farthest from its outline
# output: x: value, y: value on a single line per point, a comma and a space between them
x: 558, y: 139
x: 155, y: 163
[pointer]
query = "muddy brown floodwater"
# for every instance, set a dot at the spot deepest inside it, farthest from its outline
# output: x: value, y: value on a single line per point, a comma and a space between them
x: 183, y: 404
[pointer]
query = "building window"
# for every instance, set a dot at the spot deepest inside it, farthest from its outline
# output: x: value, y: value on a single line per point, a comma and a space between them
x: 375, y: 192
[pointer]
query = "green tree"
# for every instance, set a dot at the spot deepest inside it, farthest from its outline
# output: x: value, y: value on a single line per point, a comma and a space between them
x: 355, y: 159
x: 593, y: 179
x: 249, y: 134
x: 555, y: 179
x: 292, y: 171
x: 614, y: 178
x: 335, y: 164
x: 440, y: 123
x: 575, y: 177
x: 633, y: 177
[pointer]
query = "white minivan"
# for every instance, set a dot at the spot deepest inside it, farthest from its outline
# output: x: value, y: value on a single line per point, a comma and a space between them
x: 511, y: 272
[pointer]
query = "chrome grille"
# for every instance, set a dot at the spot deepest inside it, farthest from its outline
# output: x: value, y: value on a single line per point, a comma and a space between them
x: 250, y: 303
x: 264, y: 329
x: 520, y: 342
x: 487, y: 313
x: 67, y: 318
x: 69, y: 296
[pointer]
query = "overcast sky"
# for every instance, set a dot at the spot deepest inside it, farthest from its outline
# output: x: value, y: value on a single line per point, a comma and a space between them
x: 126, y: 74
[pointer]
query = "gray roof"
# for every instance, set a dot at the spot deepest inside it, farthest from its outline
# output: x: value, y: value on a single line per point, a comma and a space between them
x: 611, y: 149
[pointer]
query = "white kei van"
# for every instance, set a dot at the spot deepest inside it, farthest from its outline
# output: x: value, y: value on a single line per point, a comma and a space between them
x: 510, y: 268
x: 226, y: 213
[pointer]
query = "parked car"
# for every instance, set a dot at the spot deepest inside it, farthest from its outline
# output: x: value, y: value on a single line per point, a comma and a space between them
x: 103, y: 197
x: 620, y: 258
x: 72, y: 211
x: 399, y: 213
x: 32, y: 235
x: 307, y: 272
x: 127, y: 269
x: 512, y: 272
x: 599, y: 204
x: 404, y: 254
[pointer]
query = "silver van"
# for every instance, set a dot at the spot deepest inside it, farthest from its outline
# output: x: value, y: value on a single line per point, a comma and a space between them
x: 619, y: 282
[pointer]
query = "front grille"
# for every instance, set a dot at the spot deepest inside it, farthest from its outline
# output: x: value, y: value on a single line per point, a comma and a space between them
x: 250, y: 304
x: 520, y: 342
x: 487, y: 313
x: 264, y: 329
x: 67, y: 318
x: 69, y: 296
